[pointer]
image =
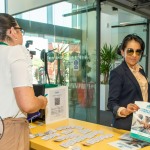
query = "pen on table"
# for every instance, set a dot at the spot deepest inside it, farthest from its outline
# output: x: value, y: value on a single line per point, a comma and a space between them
x: 45, y: 95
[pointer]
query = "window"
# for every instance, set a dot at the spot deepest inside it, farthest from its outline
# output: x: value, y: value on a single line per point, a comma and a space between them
x: 2, y: 6
x: 38, y: 15
x: 56, y: 17
x: 58, y: 11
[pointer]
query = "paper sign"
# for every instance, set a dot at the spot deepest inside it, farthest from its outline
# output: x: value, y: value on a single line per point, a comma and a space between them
x: 57, y: 107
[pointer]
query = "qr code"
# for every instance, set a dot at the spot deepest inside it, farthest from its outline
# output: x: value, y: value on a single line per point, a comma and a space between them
x: 57, y: 101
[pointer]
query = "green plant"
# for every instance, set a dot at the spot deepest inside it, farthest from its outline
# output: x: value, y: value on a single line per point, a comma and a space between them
x: 60, y: 53
x: 108, y: 55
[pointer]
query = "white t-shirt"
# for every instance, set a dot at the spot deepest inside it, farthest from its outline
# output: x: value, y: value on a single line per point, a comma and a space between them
x: 15, y: 71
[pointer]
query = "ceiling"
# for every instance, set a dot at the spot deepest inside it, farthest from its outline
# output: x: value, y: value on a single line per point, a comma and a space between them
x: 138, y: 7
x: 82, y: 2
x: 16, y: 6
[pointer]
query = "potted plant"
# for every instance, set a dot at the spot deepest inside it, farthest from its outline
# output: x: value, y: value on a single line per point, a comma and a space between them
x: 108, y: 56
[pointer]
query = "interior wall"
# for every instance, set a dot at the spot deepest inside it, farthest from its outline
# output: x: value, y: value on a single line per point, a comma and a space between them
x: 105, y: 28
x: 17, y: 6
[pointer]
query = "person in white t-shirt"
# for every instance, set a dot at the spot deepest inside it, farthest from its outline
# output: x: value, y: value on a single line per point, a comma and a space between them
x: 17, y: 96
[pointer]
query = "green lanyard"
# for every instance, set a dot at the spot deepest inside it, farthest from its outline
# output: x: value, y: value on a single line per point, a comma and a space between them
x: 2, y: 43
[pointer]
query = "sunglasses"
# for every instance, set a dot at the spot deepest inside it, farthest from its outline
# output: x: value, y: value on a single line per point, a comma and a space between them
x: 138, y: 52
x: 22, y: 31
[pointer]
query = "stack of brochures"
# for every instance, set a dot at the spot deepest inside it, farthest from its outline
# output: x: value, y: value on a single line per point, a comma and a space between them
x: 127, y: 143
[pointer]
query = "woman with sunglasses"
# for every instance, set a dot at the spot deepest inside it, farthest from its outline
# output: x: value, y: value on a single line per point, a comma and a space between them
x: 16, y: 91
x: 128, y: 83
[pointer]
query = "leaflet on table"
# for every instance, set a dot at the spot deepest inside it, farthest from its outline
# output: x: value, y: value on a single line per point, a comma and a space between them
x: 57, y: 107
x: 127, y: 143
x: 140, y: 119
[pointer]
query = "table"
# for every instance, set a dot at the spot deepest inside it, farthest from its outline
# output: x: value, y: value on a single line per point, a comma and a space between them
x: 39, y: 144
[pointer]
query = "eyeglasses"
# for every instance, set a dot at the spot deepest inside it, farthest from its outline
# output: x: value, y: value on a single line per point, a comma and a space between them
x: 22, y: 31
x: 138, y: 52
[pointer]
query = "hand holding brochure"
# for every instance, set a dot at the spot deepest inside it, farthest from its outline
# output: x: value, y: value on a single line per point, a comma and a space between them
x: 140, y: 128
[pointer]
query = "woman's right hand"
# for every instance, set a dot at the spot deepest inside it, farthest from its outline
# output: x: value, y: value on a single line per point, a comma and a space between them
x: 129, y: 110
x: 132, y: 108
